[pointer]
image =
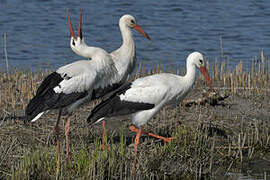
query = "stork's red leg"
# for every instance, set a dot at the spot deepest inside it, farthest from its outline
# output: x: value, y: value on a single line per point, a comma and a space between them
x: 104, y: 134
x: 137, y: 139
x: 57, y: 141
x: 67, y: 126
x: 134, y: 129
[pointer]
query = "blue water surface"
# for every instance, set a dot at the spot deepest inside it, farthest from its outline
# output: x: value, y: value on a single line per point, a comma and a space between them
x: 38, y: 35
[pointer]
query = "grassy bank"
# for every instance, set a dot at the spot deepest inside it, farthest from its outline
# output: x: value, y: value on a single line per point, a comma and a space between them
x: 212, y: 141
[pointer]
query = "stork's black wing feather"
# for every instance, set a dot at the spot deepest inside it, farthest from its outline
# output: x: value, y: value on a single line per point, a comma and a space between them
x: 49, y: 82
x: 103, y: 92
x: 46, y: 98
x: 112, y: 105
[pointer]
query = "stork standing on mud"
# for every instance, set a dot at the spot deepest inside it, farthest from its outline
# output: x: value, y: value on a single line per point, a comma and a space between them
x: 144, y: 97
x: 70, y: 86
x: 124, y: 57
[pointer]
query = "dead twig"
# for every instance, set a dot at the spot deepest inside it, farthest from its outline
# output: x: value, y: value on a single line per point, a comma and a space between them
x: 5, y: 50
x: 212, y: 98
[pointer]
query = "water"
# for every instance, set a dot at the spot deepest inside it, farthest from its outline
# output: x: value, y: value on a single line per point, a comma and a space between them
x: 38, y: 35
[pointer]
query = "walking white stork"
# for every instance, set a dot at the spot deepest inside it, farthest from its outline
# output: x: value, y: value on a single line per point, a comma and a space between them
x: 70, y: 86
x: 124, y: 57
x: 144, y: 97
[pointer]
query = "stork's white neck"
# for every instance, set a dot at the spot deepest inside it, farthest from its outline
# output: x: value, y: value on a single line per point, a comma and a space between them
x: 189, y: 78
x: 128, y: 45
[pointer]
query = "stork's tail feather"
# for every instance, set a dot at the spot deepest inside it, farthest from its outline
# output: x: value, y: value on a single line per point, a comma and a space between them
x: 35, y: 109
x: 99, y: 112
x: 114, y: 106
x: 105, y: 107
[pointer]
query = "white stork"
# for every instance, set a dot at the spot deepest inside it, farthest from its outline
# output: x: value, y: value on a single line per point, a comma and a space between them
x: 144, y: 97
x: 124, y: 57
x: 70, y: 86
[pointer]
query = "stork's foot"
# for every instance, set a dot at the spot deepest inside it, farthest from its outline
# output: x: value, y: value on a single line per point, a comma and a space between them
x: 168, y: 139
x: 134, y: 129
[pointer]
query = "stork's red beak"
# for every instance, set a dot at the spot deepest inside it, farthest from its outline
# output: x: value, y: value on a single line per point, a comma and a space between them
x: 80, y: 25
x: 140, y: 30
x: 70, y: 26
x: 205, y: 73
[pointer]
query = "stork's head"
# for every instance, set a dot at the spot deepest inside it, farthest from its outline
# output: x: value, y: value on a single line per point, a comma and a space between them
x: 198, y: 60
x: 75, y: 41
x: 130, y: 21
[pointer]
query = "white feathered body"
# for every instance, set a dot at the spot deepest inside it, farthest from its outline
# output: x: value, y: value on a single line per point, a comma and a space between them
x: 159, y: 89
x: 72, y: 85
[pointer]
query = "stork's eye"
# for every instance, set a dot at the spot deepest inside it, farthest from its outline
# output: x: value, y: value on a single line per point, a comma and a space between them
x: 201, y: 61
x: 132, y: 21
x: 73, y: 43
